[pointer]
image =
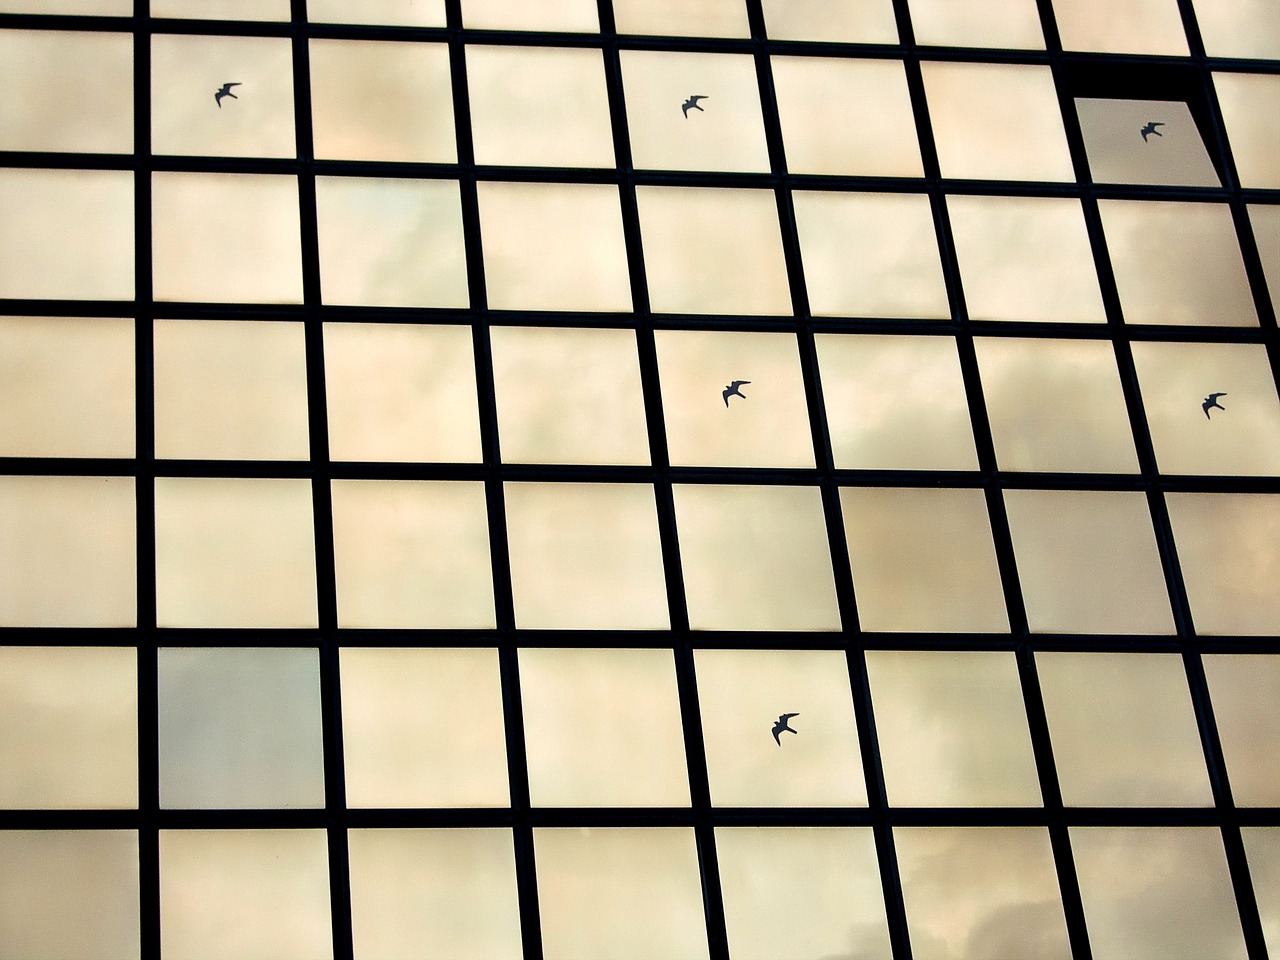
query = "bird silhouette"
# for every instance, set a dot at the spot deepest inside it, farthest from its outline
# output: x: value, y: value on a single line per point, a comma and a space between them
x: 732, y: 391
x: 225, y: 92
x: 781, y: 725
x: 1212, y: 401
x: 1150, y: 128
x: 692, y: 103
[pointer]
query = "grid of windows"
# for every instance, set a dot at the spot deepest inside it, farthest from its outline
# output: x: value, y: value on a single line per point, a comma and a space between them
x: 429, y: 468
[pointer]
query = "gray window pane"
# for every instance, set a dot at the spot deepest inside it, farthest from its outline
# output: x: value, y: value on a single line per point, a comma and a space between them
x: 1120, y: 152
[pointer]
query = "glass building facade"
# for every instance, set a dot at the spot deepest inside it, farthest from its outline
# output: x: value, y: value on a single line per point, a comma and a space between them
x: 627, y: 480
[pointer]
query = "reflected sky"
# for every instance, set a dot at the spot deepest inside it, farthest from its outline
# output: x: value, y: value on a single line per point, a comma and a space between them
x: 847, y: 21
x: 1249, y: 111
x: 1239, y: 28
x: 222, y: 9
x: 1265, y: 220
x: 1262, y: 845
x: 405, y: 13
x: 685, y: 18
x: 1121, y: 26
x: 1245, y: 690
x: 573, y: 16
x: 977, y: 23
x: 1118, y: 153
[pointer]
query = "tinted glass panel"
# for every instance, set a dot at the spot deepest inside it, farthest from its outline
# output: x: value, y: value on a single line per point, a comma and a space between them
x: 1144, y: 141
x: 407, y: 13
x: 706, y: 18
x: 849, y: 21
x: 1121, y: 26
x: 1245, y: 690
x: 977, y: 23
x: 1239, y: 28
x: 1249, y: 102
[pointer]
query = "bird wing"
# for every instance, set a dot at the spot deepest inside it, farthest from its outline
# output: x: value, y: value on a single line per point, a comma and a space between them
x: 230, y: 85
x: 725, y: 394
x: 734, y: 384
x: 697, y: 96
x: 787, y: 716
x: 685, y: 108
x: 1215, y: 396
x: 777, y: 731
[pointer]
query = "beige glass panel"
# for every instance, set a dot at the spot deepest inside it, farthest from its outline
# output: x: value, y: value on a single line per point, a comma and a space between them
x: 1118, y: 152
x: 97, y: 8
x: 1056, y: 405
x: 434, y: 893
x: 826, y: 875
x: 226, y: 237
x: 876, y: 131
x: 69, y: 894
x: 230, y: 390
x: 1245, y: 691
x: 870, y: 255
x: 1251, y: 112
x: 66, y: 90
x: 755, y: 558
x: 1244, y: 439
x: 619, y: 894
x: 1262, y: 846
x: 724, y: 132
x: 923, y: 560
x: 539, y: 106
x: 585, y: 556
x: 977, y: 23
x: 981, y: 893
x: 1088, y: 562
x: 996, y: 121
x: 234, y: 553
x: 245, y: 894
x: 952, y: 729
x: 395, y: 749
x: 1121, y: 26
x: 847, y: 21
x: 895, y: 403
x: 1229, y: 550
x: 66, y: 386
x: 400, y: 13
x: 569, y: 396
x: 695, y: 265
x: 696, y: 18
x: 1025, y: 258
x: 572, y: 16
x: 1123, y: 730
x: 382, y: 101
x: 1177, y: 263
x: 1265, y: 219
x: 412, y: 553
x: 256, y: 120
x: 391, y: 243
x: 766, y: 424
x: 240, y: 728
x: 554, y: 246
x: 1239, y: 28
x: 401, y: 392
x: 743, y: 693
x: 70, y: 721
x: 67, y: 549
x: 602, y: 728
x: 66, y: 234
x: 1157, y: 893
x: 222, y: 9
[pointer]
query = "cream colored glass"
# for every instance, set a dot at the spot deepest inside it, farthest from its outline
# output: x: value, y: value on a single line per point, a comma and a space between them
x: 573, y: 16
x: 434, y: 893
x: 1025, y: 258
x: 827, y: 875
x: 258, y: 877
x: 401, y: 392
x: 848, y: 21
x: 234, y: 553
x: 1265, y: 219
x: 585, y: 556
x: 952, y: 729
x: 684, y: 18
x: 755, y: 558
x: 1088, y: 562
x: 554, y: 246
x: 569, y: 395
x: 981, y: 893
x: 769, y: 428
x: 895, y: 402
x: 1245, y: 691
x: 1229, y: 549
x: 996, y: 121
x: 67, y: 548
x: 226, y: 237
x: 923, y: 560
x: 619, y: 893
x: 725, y: 132
x: 1121, y: 26
x: 222, y: 9
x: 66, y: 90
x: 97, y: 8
x: 1118, y: 152
x: 391, y: 243
x: 69, y: 894
x: 1239, y: 28
x: 1251, y: 113
x: 400, y: 750
x: 1123, y: 730
x: 1262, y: 845
x: 977, y: 23
x: 66, y: 387
x: 401, y: 13
x: 381, y: 101
x: 66, y: 234
x: 602, y: 728
x: 741, y: 693
x: 70, y: 717
x: 1157, y: 893
x: 412, y: 554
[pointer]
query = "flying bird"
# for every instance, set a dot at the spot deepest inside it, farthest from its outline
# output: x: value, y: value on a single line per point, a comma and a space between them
x: 692, y: 103
x: 781, y: 725
x: 732, y: 391
x: 1212, y: 401
x: 225, y: 92
x: 1150, y: 128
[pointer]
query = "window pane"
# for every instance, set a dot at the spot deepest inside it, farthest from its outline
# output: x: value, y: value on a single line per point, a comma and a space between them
x: 1249, y: 104
x: 222, y: 9
x: 848, y: 21
x: 698, y: 18
x: 977, y: 23
x: 578, y: 16
x: 1245, y: 690
x: 1239, y: 28
x: 406, y: 13
x: 1266, y: 231
x: 97, y: 8
x: 1120, y: 152
x: 1263, y: 847
x: 1121, y: 26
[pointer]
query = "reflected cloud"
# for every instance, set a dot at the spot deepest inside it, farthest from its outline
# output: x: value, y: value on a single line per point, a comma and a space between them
x: 846, y: 21
x: 684, y: 18
x: 1250, y: 103
x: 1122, y: 146
x: 1239, y: 28
x: 1245, y: 691
x: 1121, y: 26
x: 572, y: 16
x: 400, y: 13
x: 977, y: 23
